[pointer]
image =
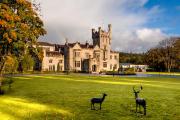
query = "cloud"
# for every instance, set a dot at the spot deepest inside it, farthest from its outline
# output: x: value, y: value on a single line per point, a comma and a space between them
x: 74, y: 19
x: 139, y: 40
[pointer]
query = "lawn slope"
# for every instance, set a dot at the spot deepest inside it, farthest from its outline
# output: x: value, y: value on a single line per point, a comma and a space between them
x: 67, y: 97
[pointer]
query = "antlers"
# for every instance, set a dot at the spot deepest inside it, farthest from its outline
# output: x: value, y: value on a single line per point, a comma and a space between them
x: 138, y: 90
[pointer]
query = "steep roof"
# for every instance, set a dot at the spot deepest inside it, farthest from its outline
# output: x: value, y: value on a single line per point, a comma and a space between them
x: 114, y: 51
x: 86, y: 45
x: 54, y: 53
x: 45, y: 44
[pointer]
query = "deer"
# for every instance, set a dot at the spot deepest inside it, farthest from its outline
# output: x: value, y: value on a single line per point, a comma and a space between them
x: 97, y: 100
x: 139, y: 101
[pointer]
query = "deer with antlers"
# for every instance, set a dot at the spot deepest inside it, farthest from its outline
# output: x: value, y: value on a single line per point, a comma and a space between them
x: 139, y: 101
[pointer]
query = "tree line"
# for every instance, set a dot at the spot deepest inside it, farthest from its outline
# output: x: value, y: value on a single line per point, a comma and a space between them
x: 164, y: 57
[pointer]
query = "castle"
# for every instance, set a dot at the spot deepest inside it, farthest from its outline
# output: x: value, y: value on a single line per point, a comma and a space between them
x: 82, y: 57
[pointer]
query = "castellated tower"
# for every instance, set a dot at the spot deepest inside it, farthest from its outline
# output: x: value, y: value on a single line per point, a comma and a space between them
x: 103, y: 39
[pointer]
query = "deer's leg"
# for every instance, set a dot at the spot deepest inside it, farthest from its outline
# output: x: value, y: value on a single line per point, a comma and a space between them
x: 100, y: 106
x: 136, y: 106
x: 139, y: 108
x: 145, y: 110
x: 93, y: 107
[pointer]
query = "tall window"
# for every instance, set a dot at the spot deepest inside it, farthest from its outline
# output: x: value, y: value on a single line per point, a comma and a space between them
x: 105, y: 53
x: 115, y: 66
x: 115, y: 57
x: 51, y: 67
x: 87, y: 55
x: 105, y: 64
x: 77, y: 54
x: 50, y: 61
x: 110, y: 56
x: 60, y: 61
x: 61, y: 68
x: 111, y: 66
x: 77, y: 63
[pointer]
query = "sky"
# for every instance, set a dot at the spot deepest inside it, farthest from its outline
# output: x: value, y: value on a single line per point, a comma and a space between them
x: 137, y: 25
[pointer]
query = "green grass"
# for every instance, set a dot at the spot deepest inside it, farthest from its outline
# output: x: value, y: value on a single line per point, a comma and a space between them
x: 68, y: 98
x: 163, y: 73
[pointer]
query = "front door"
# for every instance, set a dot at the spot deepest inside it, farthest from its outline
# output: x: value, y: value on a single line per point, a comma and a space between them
x: 94, y: 68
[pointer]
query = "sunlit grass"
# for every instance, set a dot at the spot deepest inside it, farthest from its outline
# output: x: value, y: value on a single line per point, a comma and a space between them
x: 67, y: 97
x: 17, y: 108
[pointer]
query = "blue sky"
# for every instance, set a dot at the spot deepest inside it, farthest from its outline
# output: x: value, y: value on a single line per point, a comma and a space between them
x: 137, y: 25
x: 169, y: 17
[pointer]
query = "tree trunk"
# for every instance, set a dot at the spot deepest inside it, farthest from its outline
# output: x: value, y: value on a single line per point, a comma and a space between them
x: 1, y: 70
x: 2, y: 67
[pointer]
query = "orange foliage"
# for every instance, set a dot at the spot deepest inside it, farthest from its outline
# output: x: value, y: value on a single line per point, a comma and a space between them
x: 4, y: 6
x: 3, y: 23
x: 9, y: 40
x: 35, y: 32
x: 20, y: 1
x: 8, y: 17
x: 13, y: 35
x: 5, y: 36
x: 17, y: 18
x: 24, y: 26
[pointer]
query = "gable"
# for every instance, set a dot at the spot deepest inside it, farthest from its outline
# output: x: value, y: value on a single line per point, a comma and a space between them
x: 96, y: 47
x: 76, y: 46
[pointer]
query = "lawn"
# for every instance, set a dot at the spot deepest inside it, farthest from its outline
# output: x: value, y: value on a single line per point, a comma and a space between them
x: 67, y: 97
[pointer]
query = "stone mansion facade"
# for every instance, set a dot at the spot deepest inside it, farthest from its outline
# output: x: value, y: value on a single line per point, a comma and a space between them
x: 86, y: 57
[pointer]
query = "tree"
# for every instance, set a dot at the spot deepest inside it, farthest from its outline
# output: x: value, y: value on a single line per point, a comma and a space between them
x: 154, y: 59
x: 11, y: 64
x: 27, y: 63
x: 177, y: 53
x: 167, y: 49
x: 165, y: 56
x: 135, y: 58
x: 20, y: 27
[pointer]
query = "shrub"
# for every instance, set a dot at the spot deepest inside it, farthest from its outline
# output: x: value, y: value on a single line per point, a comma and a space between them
x: 5, y: 82
x: 27, y: 63
x: 11, y: 64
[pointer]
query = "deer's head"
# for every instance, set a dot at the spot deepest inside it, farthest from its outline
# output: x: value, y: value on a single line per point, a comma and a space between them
x: 104, y: 94
x: 137, y: 91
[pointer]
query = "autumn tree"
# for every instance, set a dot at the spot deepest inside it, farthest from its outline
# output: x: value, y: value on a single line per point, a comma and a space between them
x: 11, y: 64
x: 165, y: 56
x: 167, y: 49
x: 176, y: 50
x: 20, y: 27
x: 154, y: 59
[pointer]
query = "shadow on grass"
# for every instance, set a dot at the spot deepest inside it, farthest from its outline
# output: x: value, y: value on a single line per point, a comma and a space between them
x: 17, y: 108
x: 120, y: 83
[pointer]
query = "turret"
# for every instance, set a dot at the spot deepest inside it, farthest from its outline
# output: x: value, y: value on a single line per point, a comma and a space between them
x: 66, y: 41
x: 93, y: 30
x: 110, y: 33
x: 101, y: 37
x: 109, y: 28
x: 99, y: 29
